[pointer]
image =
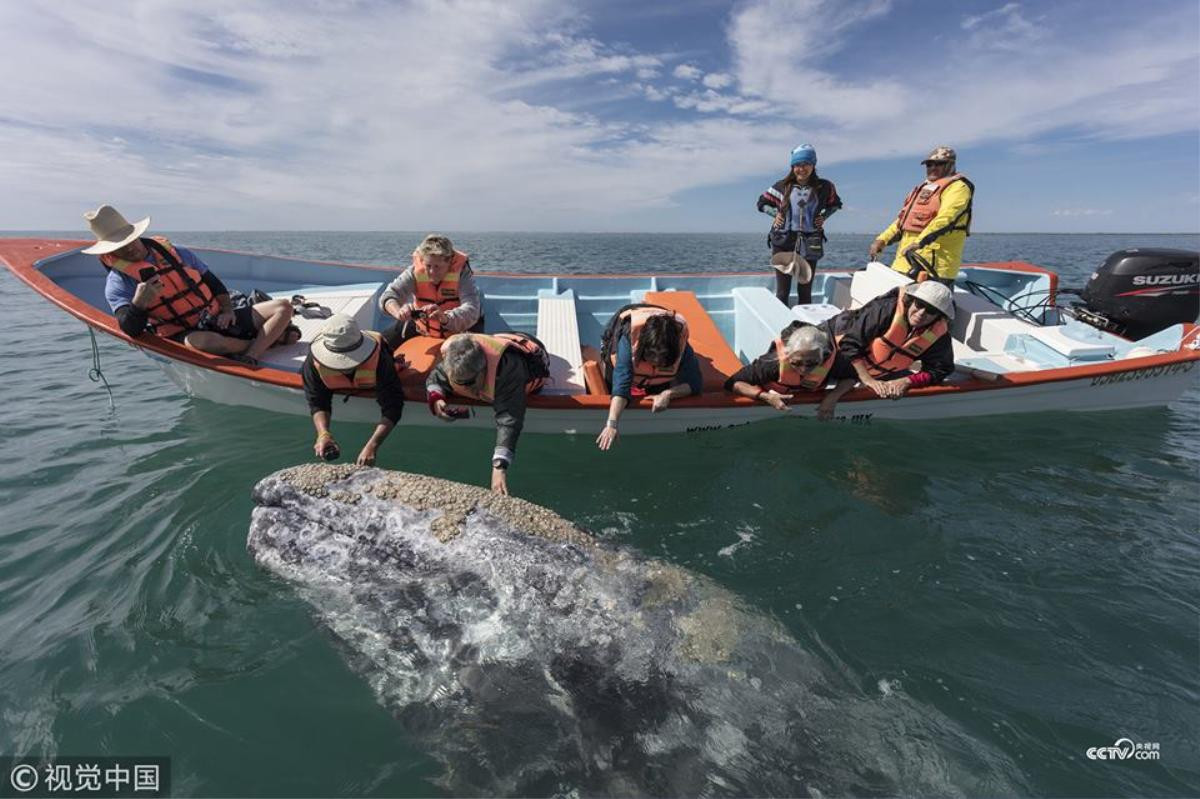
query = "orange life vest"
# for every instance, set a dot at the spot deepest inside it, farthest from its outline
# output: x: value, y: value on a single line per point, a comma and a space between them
x: 444, y: 295
x: 922, y: 204
x: 792, y: 379
x: 895, y: 350
x: 647, y: 376
x: 363, y: 376
x: 185, y: 297
x: 494, y: 347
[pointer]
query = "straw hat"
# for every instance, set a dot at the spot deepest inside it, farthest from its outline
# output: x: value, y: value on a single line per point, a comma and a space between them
x: 935, y: 294
x: 111, y: 230
x: 341, y: 345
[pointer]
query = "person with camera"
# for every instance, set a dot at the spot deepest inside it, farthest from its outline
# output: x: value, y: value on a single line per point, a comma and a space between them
x: 346, y: 358
x: 435, y: 296
x: 500, y: 370
x: 152, y: 284
x: 933, y: 223
x: 800, y: 202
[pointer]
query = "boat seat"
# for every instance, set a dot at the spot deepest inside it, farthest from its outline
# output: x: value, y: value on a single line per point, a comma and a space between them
x: 758, y: 318
x: 873, y: 281
x: 593, y: 374
x: 717, y: 359
x: 558, y: 329
x: 356, y: 301
x: 815, y: 313
x: 1051, y: 346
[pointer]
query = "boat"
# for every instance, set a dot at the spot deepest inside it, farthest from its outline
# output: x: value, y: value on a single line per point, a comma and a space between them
x: 1017, y: 350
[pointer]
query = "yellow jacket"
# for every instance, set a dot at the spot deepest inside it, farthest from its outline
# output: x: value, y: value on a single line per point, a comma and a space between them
x: 940, y: 247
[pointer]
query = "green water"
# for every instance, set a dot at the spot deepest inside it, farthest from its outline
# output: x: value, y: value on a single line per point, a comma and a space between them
x: 1035, y: 578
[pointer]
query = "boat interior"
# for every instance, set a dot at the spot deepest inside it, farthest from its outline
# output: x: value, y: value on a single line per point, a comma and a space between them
x: 1005, y: 322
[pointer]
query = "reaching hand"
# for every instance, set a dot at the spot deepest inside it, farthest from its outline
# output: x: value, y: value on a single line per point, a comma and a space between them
x: 661, y: 402
x: 366, y: 457
x: 500, y: 481
x: 825, y: 409
x: 326, y: 447
x: 775, y: 399
x: 439, y: 410
x: 607, y: 437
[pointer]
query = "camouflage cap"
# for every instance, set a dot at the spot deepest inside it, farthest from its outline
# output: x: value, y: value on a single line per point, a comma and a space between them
x: 941, y: 153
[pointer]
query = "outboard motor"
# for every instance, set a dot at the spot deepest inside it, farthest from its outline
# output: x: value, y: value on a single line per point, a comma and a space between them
x: 1141, y: 291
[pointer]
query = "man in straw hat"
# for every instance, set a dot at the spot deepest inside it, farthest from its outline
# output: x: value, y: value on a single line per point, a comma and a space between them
x: 887, y: 338
x: 933, y: 223
x: 345, y: 358
x: 152, y: 283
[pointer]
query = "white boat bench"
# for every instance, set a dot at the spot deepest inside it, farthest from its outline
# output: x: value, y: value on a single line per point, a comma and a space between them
x: 758, y: 318
x: 357, y: 301
x: 558, y: 329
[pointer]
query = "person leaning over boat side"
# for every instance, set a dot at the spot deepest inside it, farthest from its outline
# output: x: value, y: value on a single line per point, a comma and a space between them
x: 345, y: 358
x: 646, y: 351
x: 802, y: 202
x: 933, y: 223
x: 885, y: 337
x: 435, y: 296
x: 500, y: 370
x: 802, y: 359
x: 153, y: 284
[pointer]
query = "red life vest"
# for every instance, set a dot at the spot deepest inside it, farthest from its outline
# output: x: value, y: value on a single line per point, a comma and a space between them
x: 444, y: 295
x: 895, y: 350
x: 646, y: 375
x: 185, y: 297
x: 364, y: 375
x: 792, y: 379
x: 494, y: 347
x: 922, y: 204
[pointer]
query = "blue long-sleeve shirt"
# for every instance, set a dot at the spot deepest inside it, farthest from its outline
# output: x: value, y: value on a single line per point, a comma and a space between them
x: 622, y: 378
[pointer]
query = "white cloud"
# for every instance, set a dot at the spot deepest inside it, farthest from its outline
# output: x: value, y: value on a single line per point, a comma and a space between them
x: 717, y: 80
x: 1081, y: 212
x: 1004, y: 28
x: 405, y: 115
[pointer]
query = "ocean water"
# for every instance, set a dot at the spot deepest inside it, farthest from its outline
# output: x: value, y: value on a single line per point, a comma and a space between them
x: 1035, y: 579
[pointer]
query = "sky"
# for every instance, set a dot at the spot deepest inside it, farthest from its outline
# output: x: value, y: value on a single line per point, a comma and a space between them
x: 614, y: 115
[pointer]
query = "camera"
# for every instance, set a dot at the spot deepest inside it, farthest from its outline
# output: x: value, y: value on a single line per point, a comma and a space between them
x: 146, y: 273
x: 331, y: 452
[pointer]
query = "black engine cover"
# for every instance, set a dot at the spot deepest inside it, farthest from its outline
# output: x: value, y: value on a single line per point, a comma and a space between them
x: 1142, y: 291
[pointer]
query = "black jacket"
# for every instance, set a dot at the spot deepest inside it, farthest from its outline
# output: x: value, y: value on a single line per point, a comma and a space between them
x: 858, y: 328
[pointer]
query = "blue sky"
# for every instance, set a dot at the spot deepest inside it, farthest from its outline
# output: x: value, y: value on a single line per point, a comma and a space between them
x: 1069, y: 116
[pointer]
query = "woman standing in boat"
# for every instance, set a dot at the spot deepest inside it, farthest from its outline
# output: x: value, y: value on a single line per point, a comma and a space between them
x: 801, y: 202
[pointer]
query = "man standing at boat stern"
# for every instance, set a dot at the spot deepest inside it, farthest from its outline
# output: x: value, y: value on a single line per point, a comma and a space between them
x: 933, y: 223
x: 346, y: 358
x: 153, y: 284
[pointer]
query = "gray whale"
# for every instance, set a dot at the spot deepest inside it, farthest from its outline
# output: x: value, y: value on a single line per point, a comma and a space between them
x: 530, y: 659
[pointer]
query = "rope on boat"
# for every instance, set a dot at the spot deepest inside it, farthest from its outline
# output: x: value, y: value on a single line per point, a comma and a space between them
x: 96, y: 374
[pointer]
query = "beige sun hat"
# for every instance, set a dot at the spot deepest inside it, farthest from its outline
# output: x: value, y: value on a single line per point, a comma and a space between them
x: 341, y: 345
x: 790, y: 263
x: 111, y: 230
x: 935, y: 294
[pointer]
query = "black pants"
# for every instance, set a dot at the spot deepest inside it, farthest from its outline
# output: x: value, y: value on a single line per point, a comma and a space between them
x: 401, y: 332
x: 783, y: 285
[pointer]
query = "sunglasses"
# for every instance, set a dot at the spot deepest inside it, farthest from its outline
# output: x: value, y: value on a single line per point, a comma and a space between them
x: 925, y: 307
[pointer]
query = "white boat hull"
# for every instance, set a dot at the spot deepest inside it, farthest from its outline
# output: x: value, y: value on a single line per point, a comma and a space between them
x: 1154, y: 385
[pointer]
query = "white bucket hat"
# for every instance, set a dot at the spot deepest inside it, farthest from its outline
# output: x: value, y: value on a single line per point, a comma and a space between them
x: 341, y: 345
x: 935, y: 294
x: 111, y: 230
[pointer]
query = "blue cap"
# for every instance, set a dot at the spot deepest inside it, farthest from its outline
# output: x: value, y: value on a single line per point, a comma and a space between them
x: 804, y: 154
